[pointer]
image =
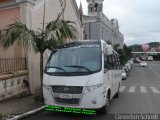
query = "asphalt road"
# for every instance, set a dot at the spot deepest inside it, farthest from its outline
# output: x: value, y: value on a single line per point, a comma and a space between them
x: 139, y: 94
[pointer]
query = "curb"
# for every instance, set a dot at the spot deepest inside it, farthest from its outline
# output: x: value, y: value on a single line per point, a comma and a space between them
x: 18, y: 117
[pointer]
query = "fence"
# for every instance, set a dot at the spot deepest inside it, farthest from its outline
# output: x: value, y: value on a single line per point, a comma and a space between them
x: 12, y: 64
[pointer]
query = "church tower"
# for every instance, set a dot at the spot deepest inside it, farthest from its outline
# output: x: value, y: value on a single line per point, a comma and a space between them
x: 95, y: 6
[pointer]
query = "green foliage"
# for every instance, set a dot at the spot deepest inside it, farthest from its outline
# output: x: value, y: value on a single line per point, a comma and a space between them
x: 125, y: 53
x: 136, y: 48
x: 55, y: 33
x: 15, y: 33
x: 116, y: 47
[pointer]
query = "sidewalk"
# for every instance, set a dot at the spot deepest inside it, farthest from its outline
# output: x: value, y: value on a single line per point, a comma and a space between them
x: 19, y: 105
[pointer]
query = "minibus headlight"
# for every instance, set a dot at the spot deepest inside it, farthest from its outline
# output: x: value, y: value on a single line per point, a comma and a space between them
x: 90, y: 88
x: 47, y: 87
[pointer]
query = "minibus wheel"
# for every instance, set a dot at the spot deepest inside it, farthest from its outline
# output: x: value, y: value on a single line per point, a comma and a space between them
x: 117, y: 94
x: 105, y: 109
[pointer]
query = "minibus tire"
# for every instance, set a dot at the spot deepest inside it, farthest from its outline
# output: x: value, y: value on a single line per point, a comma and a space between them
x: 105, y: 109
x: 117, y: 94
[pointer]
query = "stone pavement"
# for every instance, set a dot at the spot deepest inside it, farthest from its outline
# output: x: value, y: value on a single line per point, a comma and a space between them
x: 18, y: 106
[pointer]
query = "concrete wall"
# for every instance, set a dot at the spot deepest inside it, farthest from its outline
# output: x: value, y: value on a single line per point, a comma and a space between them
x: 7, y: 16
x: 97, y: 25
x: 3, y: 1
x: 52, y: 13
x: 13, y: 84
x: 92, y: 30
x: 99, y: 30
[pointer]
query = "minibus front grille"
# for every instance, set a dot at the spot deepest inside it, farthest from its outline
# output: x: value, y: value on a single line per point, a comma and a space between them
x: 67, y: 101
x: 67, y: 89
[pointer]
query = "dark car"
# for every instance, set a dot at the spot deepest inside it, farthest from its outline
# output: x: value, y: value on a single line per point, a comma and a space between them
x: 136, y: 61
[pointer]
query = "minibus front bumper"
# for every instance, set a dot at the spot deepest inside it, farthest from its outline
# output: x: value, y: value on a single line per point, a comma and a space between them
x: 93, y: 98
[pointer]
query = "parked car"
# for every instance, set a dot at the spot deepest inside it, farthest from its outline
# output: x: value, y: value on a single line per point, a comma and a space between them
x: 124, y: 75
x: 131, y: 62
x: 136, y: 60
x: 128, y: 66
x: 150, y: 58
x: 126, y: 69
x: 144, y: 58
x: 143, y: 64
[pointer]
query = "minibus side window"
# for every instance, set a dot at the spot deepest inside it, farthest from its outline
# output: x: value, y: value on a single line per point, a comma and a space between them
x: 117, y: 62
x: 113, y: 61
x: 106, y: 67
x: 109, y: 58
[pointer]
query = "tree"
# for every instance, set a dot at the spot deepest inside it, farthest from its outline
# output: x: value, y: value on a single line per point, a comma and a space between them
x: 116, y: 47
x: 125, y: 53
x: 46, y: 38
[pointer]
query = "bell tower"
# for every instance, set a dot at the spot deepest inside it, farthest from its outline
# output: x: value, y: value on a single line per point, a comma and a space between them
x: 95, y: 6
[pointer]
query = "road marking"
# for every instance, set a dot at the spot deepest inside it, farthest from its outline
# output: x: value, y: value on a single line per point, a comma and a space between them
x: 141, y: 85
x: 122, y: 88
x: 143, y: 89
x: 132, y: 89
x: 155, y: 90
x: 158, y: 75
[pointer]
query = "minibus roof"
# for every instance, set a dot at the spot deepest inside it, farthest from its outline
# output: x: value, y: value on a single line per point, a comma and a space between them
x: 79, y: 42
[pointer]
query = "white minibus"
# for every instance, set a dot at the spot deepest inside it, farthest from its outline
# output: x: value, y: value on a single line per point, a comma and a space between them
x: 83, y: 74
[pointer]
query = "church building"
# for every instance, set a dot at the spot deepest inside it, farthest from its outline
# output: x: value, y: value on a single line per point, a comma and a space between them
x: 98, y: 26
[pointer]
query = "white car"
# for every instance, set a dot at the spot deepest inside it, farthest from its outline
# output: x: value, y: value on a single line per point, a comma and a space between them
x: 128, y: 66
x: 124, y: 75
x: 143, y: 64
x: 150, y: 58
x: 131, y: 62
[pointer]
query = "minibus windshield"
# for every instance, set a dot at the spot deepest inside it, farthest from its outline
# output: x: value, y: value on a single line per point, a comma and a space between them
x: 72, y: 61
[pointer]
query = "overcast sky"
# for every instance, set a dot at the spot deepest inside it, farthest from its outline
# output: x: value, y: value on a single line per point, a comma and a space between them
x: 139, y: 20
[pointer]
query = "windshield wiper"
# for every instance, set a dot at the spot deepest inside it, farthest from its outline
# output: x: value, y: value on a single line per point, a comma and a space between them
x: 56, y: 68
x: 78, y: 66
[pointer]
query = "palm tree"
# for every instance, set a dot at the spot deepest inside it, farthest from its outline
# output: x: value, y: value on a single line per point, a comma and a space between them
x: 46, y: 38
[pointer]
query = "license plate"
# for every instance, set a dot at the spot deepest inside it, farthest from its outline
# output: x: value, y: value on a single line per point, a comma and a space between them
x: 67, y: 96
